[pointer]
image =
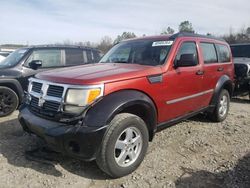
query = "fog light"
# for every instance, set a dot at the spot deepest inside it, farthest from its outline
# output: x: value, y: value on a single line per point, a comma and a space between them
x: 73, y: 109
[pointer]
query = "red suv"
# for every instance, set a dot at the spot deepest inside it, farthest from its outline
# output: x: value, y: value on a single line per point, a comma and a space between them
x: 108, y: 111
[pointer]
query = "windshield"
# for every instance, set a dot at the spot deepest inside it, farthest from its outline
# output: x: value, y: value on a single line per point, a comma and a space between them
x: 147, y: 52
x: 13, y: 58
x: 241, y: 51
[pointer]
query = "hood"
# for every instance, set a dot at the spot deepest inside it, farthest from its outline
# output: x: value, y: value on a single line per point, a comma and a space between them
x: 98, y: 73
x: 9, y: 73
x: 242, y: 60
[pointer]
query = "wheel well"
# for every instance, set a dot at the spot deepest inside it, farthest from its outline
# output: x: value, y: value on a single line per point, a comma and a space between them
x: 13, y: 87
x: 228, y: 86
x: 144, y: 114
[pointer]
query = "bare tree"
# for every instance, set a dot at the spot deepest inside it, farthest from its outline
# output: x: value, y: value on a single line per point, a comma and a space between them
x: 105, y: 44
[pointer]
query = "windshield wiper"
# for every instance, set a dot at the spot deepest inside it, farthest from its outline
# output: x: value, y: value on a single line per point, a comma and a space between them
x: 120, y: 62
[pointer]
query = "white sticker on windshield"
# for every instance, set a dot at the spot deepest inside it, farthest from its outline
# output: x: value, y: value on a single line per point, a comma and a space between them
x: 163, y: 43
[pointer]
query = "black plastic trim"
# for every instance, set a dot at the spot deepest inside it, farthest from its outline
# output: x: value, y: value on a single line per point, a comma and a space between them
x: 167, y: 124
x: 222, y: 82
x: 16, y: 84
x: 104, y: 111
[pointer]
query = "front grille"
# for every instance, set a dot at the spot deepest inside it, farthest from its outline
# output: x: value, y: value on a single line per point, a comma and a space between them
x: 51, y: 105
x: 47, y: 106
x: 34, y: 102
x: 46, y: 98
x: 36, y: 87
x: 55, y: 91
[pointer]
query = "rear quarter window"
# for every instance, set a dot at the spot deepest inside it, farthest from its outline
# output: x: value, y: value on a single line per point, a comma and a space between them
x: 223, y: 53
x: 74, y: 57
x: 208, y: 53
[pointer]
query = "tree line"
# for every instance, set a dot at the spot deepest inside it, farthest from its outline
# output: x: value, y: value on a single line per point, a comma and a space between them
x: 106, y: 42
x: 241, y: 36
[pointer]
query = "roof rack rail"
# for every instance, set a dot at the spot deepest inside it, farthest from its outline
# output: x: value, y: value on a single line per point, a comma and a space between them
x: 186, y: 34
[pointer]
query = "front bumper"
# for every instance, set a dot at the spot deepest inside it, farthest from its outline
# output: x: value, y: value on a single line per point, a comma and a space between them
x: 74, y: 140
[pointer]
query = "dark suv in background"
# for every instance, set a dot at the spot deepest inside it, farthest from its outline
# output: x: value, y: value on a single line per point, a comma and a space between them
x: 25, y: 62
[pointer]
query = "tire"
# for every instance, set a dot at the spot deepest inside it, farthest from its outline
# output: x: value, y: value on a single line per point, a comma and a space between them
x: 221, y: 109
x: 113, y: 160
x: 8, y: 101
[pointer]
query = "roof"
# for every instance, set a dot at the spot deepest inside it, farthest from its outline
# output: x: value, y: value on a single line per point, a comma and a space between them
x: 174, y: 36
x: 240, y: 44
x: 60, y: 46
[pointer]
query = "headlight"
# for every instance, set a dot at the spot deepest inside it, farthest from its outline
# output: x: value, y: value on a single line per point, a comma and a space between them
x: 76, y: 99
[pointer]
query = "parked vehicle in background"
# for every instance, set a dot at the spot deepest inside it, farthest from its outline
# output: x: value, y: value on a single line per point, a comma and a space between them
x: 241, y: 55
x: 1, y: 58
x: 109, y: 111
x: 18, y: 67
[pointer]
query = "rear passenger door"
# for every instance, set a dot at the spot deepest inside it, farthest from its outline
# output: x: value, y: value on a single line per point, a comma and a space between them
x: 216, y: 59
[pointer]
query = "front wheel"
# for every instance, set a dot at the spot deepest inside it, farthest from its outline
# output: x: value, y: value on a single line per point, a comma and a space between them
x: 124, y: 145
x: 222, y: 107
x: 8, y: 101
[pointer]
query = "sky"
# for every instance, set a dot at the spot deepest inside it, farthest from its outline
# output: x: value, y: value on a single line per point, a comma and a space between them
x: 53, y: 21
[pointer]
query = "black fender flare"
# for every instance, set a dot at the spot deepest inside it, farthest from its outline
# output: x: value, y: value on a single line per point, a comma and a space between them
x: 103, y: 112
x: 13, y: 84
x: 223, y: 83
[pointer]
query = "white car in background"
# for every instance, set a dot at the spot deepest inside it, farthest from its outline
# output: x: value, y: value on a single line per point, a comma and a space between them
x: 241, y: 57
x: 1, y: 58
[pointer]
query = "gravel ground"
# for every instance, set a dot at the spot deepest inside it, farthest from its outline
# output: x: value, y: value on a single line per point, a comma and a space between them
x: 194, y: 153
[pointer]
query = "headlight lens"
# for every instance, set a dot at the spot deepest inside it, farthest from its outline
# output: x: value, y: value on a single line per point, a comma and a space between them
x: 83, y: 97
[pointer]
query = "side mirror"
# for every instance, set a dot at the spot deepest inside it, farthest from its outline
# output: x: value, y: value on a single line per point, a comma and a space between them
x: 35, y: 64
x: 186, y: 60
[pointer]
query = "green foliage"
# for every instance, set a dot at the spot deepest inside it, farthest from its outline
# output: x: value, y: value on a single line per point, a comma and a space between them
x: 186, y: 26
x: 167, y: 31
x: 123, y: 36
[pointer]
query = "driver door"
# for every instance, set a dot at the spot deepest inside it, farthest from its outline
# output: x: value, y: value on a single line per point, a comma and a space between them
x: 184, y: 82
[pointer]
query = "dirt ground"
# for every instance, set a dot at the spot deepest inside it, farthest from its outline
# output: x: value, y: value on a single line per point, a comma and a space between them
x: 194, y: 153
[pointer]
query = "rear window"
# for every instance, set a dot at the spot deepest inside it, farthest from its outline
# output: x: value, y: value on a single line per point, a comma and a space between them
x: 241, y: 50
x: 74, y: 57
x: 223, y: 53
x: 209, y: 53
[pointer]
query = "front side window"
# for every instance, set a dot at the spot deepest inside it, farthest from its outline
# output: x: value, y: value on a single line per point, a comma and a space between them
x: 74, y: 57
x: 209, y: 53
x: 49, y: 58
x: 13, y: 59
x: 223, y: 53
x: 147, y: 52
x: 187, y: 48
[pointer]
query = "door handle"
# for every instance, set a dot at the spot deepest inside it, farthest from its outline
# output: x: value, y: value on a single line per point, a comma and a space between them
x: 199, y: 72
x: 220, y: 69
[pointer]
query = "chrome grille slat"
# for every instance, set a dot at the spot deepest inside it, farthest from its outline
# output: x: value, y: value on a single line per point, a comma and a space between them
x: 36, y: 87
x: 55, y: 91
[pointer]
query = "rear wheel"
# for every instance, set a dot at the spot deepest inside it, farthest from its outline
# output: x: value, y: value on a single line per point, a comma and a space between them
x: 8, y: 101
x: 124, y: 145
x: 222, y: 107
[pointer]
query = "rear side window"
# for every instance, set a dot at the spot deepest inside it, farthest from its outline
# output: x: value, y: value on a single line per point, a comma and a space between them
x: 223, y: 53
x: 93, y: 56
x: 97, y: 56
x: 209, y: 53
x: 74, y: 57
